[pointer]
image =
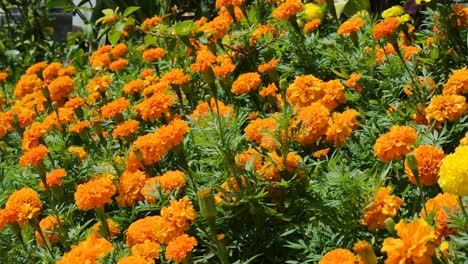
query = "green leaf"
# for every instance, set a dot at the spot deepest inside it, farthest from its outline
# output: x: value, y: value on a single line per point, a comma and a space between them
x: 184, y: 28
x: 108, y: 12
x: 355, y: 6
x: 149, y: 40
x: 130, y: 10
x: 339, y: 6
x: 114, y: 36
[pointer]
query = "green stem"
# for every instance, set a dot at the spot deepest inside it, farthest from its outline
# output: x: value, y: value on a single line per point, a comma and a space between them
x: 104, y: 229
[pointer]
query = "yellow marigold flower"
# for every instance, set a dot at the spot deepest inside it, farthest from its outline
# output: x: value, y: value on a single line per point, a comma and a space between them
x: 114, y: 108
x: 429, y: 159
x: 87, y: 251
x: 54, y: 178
x: 24, y: 204
x: 339, y: 255
x: 305, y: 90
x: 383, y: 206
x: 129, y: 188
x: 395, y: 144
x: 437, y: 209
x: 148, y: 250
x: 314, y: 123
x: 151, y: 22
x: 114, y: 229
x: 269, y: 66
x: 457, y: 82
x: 446, y: 107
x: 312, y: 25
x: 246, y: 83
x: 176, y: 77
x: 393, y: 11
x: 154, y: 107
x: 385, y: 28
x: 79, y: 151
x: 453, y: 173
x: 414, y: 245
x: 125, y: 129
x: 153, y: 54
x: 179, y: 247
x: 119, y: 50
x: 351, y: 25
x: 118, y: 65
x: 287, y: 9
x: 94, y: 193
x: 48, y: 226
x: 33, y: 156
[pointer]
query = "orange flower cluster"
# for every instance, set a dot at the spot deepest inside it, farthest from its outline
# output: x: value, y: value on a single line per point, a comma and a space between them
x: 33, y: 156
x: 227, y: 3
x: 114, y: 108
x: 262, y: 30
x: 312, y: 25
x: 246, y: 83
x: 204, y: 109
x: 129, y: 188
x: 351, y: 26
x: 226, y: 186
x: 95, y: 193
x: 219, y: 26
x: 114, y: 229
x: 174, y: 221
x: 99, y: 84
x: 175, y: 77
x: 429, y: 159
x: 48, y: 226
x: 383, y: 206
x: 352, y: 82
x: 153, y: 54
x: 341, y: 126
x: 133, y: 86
x: 314, y: 123
x: 150, y: 22
x: 54, y: 178
x: 269, y: 66
x: 179, y: 247
x: 414, y: 245
x: 287, y: 9
x: 273, y: 166
x: 118, y: 65
x: 87, y: 251
x: 102, y: 58
x: 457, y: 82
x: 154, y: 146
x: 437, y: 209
x: 205, y: 59
x: 125, y: 129
x: 167, y: 183
x: 78, y: 151
x: 339, y: 255
x: 262, y: 132
x: 446, y: 107
x: 385, y: 28
x: 223, y: 66
x: 22, y: 206
x: 395, y: 144
x: 154, y: 107
x: 143, y: 253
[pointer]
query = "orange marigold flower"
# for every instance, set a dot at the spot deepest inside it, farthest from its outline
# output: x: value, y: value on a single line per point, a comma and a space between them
x: 179, y: 247
x: 125, y: 129
x: 226, y: 186
x: 287, y: 9
x: 79, y: 127
x: 171, y: 180
x: 74, y: 103
x: 429, y: 159
x: 312, y: 25
x: 146, y: 73
x: 119, y: 50
x: 446, y: 107
x: 320, y: 153
x: 227, y: 3
x: 135, y: 259
x: 271, y: 167
x: 176, y: 77
x: 151, y: 22
x: 339, y: 255
x: 224, y: 66
x: 409, y: 51
x: 154, y: 107
x: 87, y: 251
x: 395, y: 144
x: 219, y: 26
x: 114, y: 108
x: 69, y: 70
x: 261, y: 31
x: 133, y: 86
x: 414, y: 245
x: 314, y: 123
x: 180, y: 213
x: 437, y: 209
x: 60, y: 88
x: 129, y: 188
x: 48, y: 226
x: 153, y: 54
x: 94, y: 193
x: 382, y: 206
x: 26, y: 85
x: 270, y: 90
x: 247, y: 158
x: 65, y: 116
x: 118, y: 65
x: 148, y: 250
x: 79, y: 151
x: 385, y: 28
x: 35, y: 68
x: 246, y: 83
x: 334, y: 94
x: 114, y: 229
x: 54, y: 178
x: 172, y: 134
x: 32, y: 135
x: 261, y: 131
x: 99, y: 84
x: 352, y: 82
x: 203, y: 109
x: 351, y: 25
x: 205, y: 58
x: 269, y: 66
x: 51, y: 71
x: 3, y: 76
x: 24, y: 204
x: 33, y: 156
x: 305, y: 90
x: 457, y: 82
x: 340, y: 127
x: 143, y: 230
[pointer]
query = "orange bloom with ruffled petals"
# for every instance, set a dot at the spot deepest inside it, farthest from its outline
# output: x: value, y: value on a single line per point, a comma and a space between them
x: 395, y: 144
x: 87, y: 251
x: 153, y: 54
x: 33, y: 156
x: 383, y: 206
x: 179, y: 247
x: 446, y: 107
x: 54, y: 178
x: 48, y: 225
x: 350, y: 26
x: 287, y: 9
x: 94, y: 193
x: 129, y: 188
x: 24, y: 204
x: 339, y: 255
x: 429, y: 159
x: 385, y: 28
x: 246, y: 83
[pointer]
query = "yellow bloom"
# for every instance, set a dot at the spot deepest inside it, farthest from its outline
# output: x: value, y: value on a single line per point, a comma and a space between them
x: 453, y: 174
